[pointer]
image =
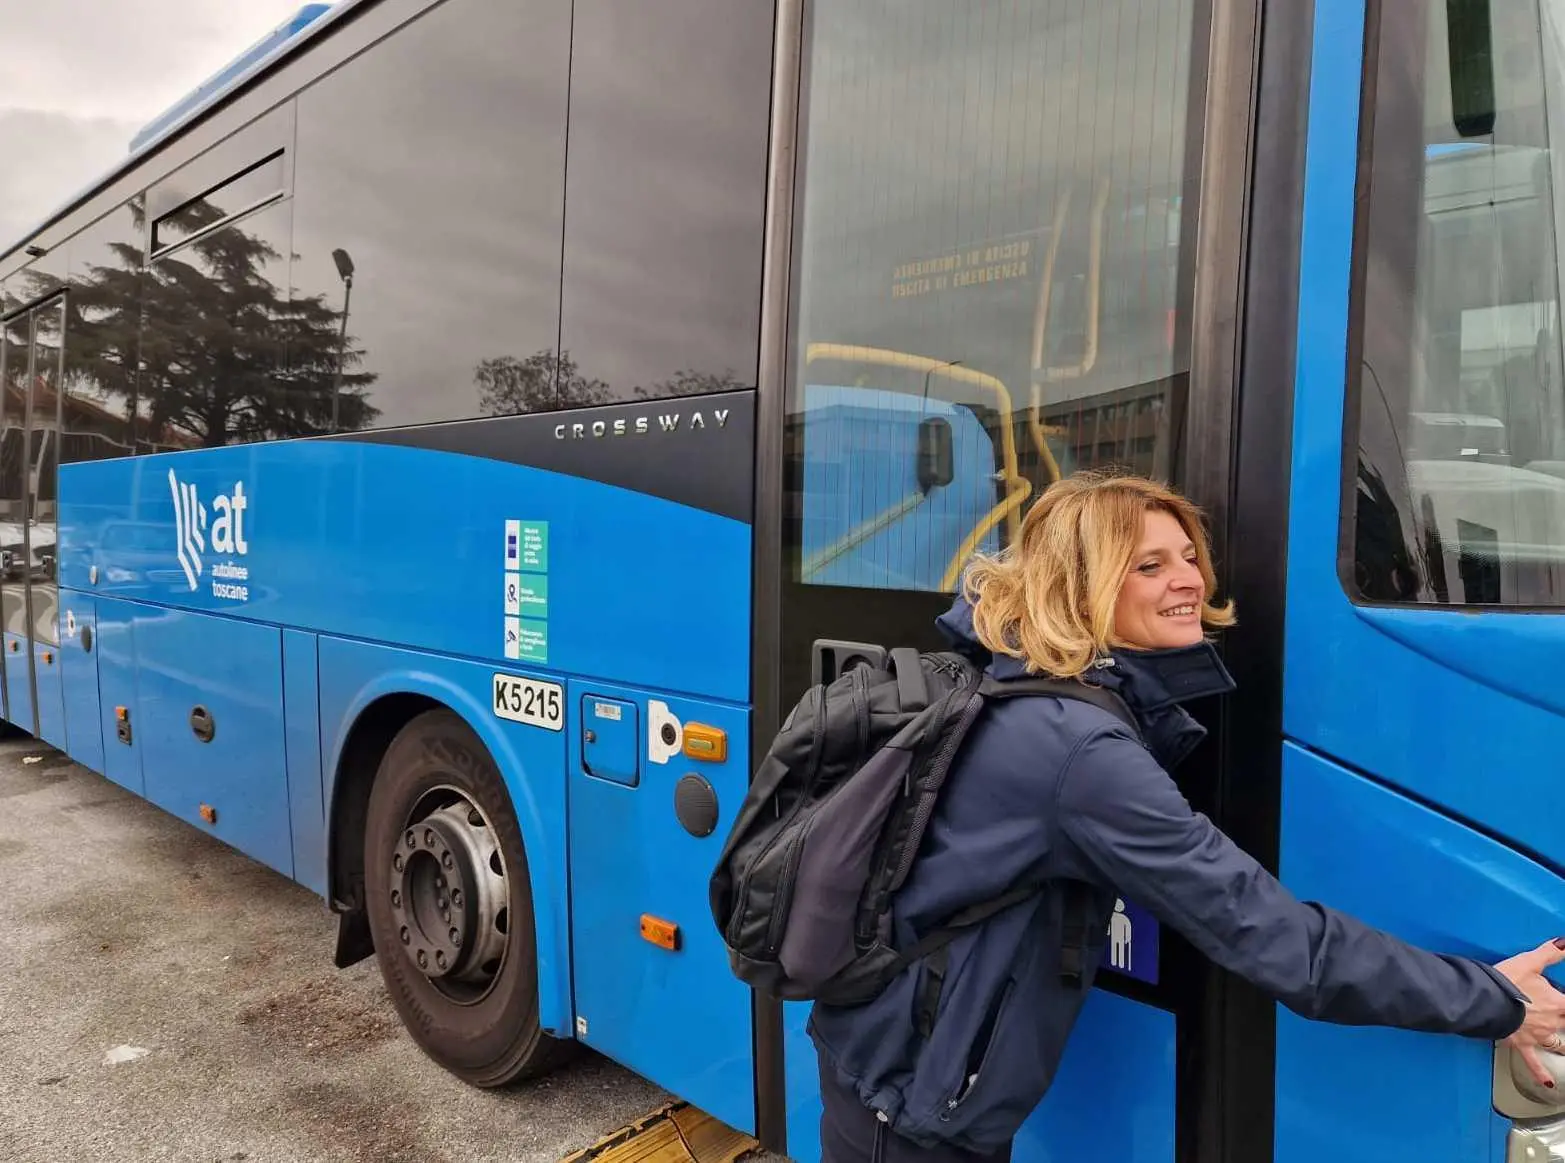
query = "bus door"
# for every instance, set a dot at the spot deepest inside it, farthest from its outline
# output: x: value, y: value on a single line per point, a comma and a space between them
x: 993, y: 289
x: 1424, y: 708
x: 29, y: 454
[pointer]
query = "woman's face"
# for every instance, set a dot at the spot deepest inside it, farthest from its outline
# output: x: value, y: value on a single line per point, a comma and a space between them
x: 1159, y: 604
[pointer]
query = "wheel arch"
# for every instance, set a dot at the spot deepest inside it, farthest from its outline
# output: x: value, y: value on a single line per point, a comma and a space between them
x: 377, y: 712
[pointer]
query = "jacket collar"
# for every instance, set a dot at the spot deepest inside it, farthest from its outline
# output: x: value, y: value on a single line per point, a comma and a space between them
x: 1154, y: 684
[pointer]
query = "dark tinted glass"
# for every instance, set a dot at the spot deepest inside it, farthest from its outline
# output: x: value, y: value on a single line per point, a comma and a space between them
x: 234, y: 157
x: 37, y: 279
x: 239, y: 193
x: 989, y: 274
x: 43, y: 422
x: 428, y: 185
x: 1459, y: 489
x: 101, y: 397
x: 217, y: 324
x: 14, y: 474
x: 669, y: 105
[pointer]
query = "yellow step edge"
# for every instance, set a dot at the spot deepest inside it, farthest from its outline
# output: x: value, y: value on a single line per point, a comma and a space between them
x: 674, y: 1133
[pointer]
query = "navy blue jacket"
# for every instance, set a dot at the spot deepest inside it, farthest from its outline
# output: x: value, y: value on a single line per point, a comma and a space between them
x: 1062, y: 789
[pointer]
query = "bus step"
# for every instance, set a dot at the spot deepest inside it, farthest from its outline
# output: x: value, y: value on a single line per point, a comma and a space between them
x: 676, y: 1133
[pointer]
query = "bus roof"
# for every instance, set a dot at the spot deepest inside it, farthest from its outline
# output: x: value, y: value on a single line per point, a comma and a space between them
x: 283, y: 41
x: 226, y: 77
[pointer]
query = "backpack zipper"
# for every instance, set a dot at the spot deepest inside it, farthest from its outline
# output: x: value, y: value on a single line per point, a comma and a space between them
x: 858, y: 688
x: 815, y: 757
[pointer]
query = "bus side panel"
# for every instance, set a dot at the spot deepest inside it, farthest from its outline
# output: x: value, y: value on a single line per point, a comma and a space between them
x: 79, y: 675
x: 354, y: 675
x: 209, y: 705
x: 1399, y: 866
x: 409, y: 545
x: 51, y: 694
x: 18, y: 685
x: 1111, y: 1102
x: 677, y: 1016
x: 302, y: 740
x: 116, y: 650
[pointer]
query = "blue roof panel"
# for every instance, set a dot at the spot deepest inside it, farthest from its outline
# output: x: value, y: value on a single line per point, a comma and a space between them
x: 214, y: 85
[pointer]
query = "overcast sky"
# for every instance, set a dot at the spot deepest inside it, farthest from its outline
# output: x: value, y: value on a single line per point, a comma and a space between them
x: 82, y: 76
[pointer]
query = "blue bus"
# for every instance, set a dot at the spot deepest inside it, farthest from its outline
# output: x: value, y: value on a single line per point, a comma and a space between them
x: 437, y: 455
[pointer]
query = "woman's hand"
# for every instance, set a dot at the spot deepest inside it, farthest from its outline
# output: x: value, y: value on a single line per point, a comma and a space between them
x: 1545, y: 1006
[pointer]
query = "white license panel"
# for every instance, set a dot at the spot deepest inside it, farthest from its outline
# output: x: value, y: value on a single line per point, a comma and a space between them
x: 527, y: 700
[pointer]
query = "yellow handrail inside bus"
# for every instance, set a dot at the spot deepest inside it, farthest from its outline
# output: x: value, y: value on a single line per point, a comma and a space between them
x: 1041, y: 373
x: 821, y: 559
x: 852, y: 353
x: 1008, y: 510
x: 1041, y: 434
x: 1089, y: 358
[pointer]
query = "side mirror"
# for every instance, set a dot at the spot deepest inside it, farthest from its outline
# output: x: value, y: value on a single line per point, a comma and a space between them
x: 936, y: 453
x: 1470, y: 44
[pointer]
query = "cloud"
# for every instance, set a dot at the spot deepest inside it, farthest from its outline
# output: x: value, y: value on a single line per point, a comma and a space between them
x: 51, y: 156
x: 82, y: 76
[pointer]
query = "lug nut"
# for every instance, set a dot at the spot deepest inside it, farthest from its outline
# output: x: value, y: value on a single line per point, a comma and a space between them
x: 406, y: 936
x: 429, y: 837
x: 456, y: 897
x: 448, y: 861
x: 412, y: 842
x: 423, y: 959
x: 396, y: 862
x: 456, y: 938
x: 440, y: 959
x: 396, y: 899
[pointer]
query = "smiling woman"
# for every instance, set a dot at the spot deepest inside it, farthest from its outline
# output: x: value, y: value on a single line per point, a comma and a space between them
x: 1108, y: 584
x: 1101, y: 559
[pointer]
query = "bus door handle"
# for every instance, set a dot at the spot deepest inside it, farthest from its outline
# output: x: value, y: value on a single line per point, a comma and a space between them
x: 1537, y: 1113
x: 202, y: 725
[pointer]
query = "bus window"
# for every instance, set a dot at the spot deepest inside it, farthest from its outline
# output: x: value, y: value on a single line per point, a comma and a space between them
x: 101, y: 404
x: 666, y: 189
x: 427, y: 222
x: 993, y: 210
x: 1458, y: 411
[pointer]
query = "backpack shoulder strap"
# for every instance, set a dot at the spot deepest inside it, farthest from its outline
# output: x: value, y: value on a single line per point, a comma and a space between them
x: 1076, y: 918
x: 912, y: 688
x: 1064, y: 688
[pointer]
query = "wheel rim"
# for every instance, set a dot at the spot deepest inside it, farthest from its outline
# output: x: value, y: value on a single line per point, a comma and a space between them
x: 449, y: 895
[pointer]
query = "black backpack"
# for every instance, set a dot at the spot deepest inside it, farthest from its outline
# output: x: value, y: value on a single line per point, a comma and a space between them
x: 834, y: 819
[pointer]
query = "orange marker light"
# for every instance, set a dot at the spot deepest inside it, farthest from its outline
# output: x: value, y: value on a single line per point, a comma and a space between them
x: 209, y: 813
x: 709, y: 744
x: 663, y: 934
x: 121, y: 714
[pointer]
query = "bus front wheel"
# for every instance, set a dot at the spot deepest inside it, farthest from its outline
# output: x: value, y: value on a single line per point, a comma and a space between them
x: 450, y: 904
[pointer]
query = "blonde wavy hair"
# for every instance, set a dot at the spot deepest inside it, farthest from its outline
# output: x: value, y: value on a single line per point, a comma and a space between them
x: 1049, y: 598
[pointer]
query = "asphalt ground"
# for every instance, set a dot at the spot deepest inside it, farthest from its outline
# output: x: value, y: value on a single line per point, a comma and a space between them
x: 163, y: 997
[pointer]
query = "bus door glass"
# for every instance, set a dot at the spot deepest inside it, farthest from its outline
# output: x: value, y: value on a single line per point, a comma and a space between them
x: 29, y: 455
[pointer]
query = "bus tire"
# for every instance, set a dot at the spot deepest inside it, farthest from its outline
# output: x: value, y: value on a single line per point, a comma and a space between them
x: 450, y: 905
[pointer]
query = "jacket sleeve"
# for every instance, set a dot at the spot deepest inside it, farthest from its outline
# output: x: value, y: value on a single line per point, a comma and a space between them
x: 1131, y: 825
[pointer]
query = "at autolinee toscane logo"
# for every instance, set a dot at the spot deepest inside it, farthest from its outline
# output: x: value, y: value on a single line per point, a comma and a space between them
x: 189, y: 527
x: 227, y: 537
